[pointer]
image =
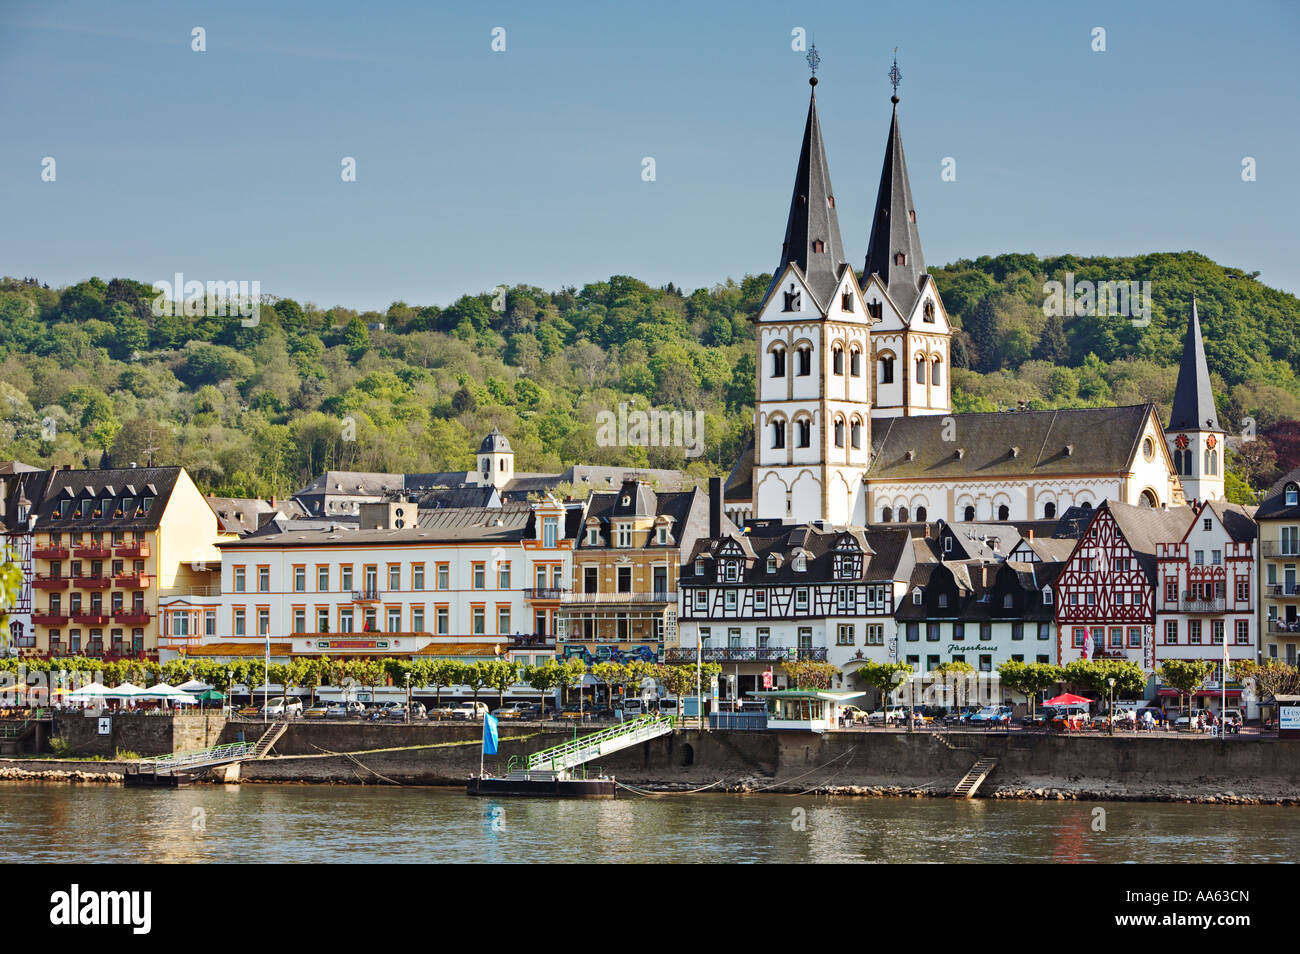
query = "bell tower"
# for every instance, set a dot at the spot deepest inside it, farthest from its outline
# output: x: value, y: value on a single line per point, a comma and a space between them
x: 1196, y: 441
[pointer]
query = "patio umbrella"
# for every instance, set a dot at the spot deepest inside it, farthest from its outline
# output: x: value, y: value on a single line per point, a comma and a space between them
x: 164, y: 691
x: 94, y: 690
x: 126, y: 690
x: 194, y: 685
x: 1068, y: 699
x: 212, y: 696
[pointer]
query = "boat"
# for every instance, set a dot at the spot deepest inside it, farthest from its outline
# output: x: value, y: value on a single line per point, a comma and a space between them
x: 542, y: 784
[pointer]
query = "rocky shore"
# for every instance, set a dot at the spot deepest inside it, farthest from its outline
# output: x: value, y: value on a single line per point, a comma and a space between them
x: 14, y: 774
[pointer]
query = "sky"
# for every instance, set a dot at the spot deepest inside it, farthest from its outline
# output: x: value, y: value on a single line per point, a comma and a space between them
x: 477, y: 167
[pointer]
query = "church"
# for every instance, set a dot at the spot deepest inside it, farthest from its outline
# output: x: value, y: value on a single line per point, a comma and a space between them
x: 853, y: 420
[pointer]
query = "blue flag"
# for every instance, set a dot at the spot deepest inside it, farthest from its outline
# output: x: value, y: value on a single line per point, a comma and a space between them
x: 489, y: 735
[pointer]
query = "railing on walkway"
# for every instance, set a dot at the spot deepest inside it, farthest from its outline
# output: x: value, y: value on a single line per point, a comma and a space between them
x: 183, y: 761
x: 737, y: 720
x: 561, y: 757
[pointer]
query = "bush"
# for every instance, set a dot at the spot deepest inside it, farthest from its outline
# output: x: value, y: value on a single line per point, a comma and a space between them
x: 61, y: 747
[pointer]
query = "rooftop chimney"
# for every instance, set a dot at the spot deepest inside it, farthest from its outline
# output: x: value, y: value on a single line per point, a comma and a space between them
x: 715, y: 507
x: 1031, y: 533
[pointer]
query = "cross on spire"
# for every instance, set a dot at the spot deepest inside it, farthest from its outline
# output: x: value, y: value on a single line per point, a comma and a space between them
x: 814, y: 60
x: 895, y: 77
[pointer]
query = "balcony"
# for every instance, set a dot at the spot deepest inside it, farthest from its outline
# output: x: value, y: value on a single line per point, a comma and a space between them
x: 132, y: 581
x: 49, y: 619
x: 132, y: 617
x: 1284, y: 590
x: 532, y: 641
x: 1278, y: 548
x: 90, y: 619
x: 657, y: 596
x: 367, y: 596
x: 545, y: 593
x: 135, y: 551
x: 91, y: 582
x: 1193, y: 603
x: 49, y: 553
x: 747, y: 654
x: 42, y: 582
x: 1280, y: 627
x: 1114, y: 652
x: 95, y: 552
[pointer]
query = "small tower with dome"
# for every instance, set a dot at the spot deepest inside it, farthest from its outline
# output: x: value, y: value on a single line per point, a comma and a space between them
x: 496, y: 461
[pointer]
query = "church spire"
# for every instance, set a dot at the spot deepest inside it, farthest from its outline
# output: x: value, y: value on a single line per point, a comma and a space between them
x: 894, y: 252
x: 812, y: 232
x: 1193, y: 408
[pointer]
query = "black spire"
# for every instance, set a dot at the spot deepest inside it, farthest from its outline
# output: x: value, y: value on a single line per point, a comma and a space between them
x: 893, y: 227
x: 1193, y: 397
x: 812, y: 233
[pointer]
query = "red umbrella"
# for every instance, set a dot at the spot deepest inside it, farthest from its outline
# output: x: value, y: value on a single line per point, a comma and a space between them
x: 1068, y: 699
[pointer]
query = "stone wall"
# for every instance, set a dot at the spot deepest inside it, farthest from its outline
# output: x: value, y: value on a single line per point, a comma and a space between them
x: 145, y: 735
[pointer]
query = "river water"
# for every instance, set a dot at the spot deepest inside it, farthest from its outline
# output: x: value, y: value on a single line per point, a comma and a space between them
x: 315, y: 823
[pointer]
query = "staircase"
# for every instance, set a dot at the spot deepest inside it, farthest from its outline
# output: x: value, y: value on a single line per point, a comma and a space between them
x: 271, y: 736
x: 561, y: 758
x: 971, y: 780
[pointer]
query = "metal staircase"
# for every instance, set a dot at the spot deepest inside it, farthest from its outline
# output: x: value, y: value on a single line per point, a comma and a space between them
x: 970, y: 782
x: 271, y: 736
x: 561, y: 758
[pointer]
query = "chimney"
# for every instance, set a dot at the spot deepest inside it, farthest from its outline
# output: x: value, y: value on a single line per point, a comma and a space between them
x: 1031, y: 533
x: 927, y: 531
x: 272, y: 501
x: 715, y: 507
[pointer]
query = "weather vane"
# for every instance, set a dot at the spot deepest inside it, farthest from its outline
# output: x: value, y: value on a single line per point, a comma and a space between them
x: 894, y: 76
x: 814, y: 60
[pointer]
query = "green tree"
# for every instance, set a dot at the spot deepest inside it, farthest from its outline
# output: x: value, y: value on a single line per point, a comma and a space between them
x: 544, y: 678
x: 1029, y: 678
x: 809, y: 674
x: 1185, y: 675
x: 501, y: 675
x: 884, y: 677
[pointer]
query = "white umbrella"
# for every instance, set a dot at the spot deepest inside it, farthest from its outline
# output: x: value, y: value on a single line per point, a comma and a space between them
x: 94, y: 690
x: 164, y: 691
x: 126, y: 690
x: 194, y: 685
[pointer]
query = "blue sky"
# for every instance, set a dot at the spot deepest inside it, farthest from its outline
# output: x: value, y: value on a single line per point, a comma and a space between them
x: 477, y: 167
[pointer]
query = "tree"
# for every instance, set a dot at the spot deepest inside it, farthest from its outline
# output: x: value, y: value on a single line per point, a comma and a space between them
x: 441, y: 674
x: 613, y: 675
x: 1094, y: 675
x: 1185, y: 675
x: 884, y: 677
x: 571, y: 673
x: 11, y: 584
x: 1271, y: 678
x: 544, y: 678
x: 809, y: 674
x: 1029, y: 678
x: 501, y: 675
x: 476, y: 676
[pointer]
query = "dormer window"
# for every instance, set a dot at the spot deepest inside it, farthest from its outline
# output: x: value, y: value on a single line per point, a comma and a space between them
x: 1006, y: 601
x: 593, y: 536
x: 626, y: 500
x: 1047, y: 596
x: 731, y: 571
x: 624, y: 536
x: 663, y: 536
x: 699, y: 566
x: 943, y: 600
x: 771, y: 564
x: 916, y: 596
x: 1292, y: 495
x: 800, y: 563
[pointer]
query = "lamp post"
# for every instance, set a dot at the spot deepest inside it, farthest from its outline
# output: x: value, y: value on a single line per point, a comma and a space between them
x: 408, y: 697
x: 1111, y: 720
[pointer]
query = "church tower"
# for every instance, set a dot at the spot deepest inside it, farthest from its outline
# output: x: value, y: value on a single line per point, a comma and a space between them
x: 812, y: 414
x: 1196, y: 440
x: 496, y: 461
x: 911, y: 340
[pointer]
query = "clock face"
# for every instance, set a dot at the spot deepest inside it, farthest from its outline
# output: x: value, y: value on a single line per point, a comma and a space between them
x: 1211, y: 441
x: 1181, y: 442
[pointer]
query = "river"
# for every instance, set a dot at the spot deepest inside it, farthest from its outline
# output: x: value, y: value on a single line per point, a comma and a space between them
x: 322, y: 823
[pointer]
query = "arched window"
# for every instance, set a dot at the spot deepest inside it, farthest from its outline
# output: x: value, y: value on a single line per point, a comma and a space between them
x: 804, y: 367
x: 936, y: 371
x: 778, y: 435
x: 920, y: 515
x: 1212, y: 462
x: 902, y: 515
x: 839, y: 432
x: 927, y: 312
x: 855, y: 434
x: 886, y: 363
x: 855, y: 363
x: 1147, y: 499
x: 803, y: 432
x: 969, y: 514
x: 887, y: 515
x: 1086, y: 505
x: 1049, y: 511
x: 1004, y: 512
x: 900, y: 258
x: 920, y: 370
x: 778, y: 362
x: 837, y: 360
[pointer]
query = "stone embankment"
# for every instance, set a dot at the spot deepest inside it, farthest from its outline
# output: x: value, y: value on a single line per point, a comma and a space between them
x: 32, y: 770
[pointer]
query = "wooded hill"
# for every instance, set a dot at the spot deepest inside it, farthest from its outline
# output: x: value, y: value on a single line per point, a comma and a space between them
x: 89, y: 376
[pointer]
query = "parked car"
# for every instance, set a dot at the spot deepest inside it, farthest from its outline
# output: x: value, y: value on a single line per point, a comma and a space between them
x: 961, y: 715
x: 853, y: 715
x: 992, y: 715
x: 317, y: 711
x: 887, y: 716
x: 470, y: 710
x: 1157, y: 715
x: 346, y: 710
x: 283, y: 707
x: 515, y: 710
x: 1182, y: 718
x: 444, y: 711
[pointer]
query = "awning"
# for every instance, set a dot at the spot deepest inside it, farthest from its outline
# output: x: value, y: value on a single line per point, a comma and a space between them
x: 1068, y: 699
x: 238, y: 649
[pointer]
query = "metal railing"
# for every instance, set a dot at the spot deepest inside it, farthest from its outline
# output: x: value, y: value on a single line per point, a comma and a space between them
x: 1278, y: 548
x: 231, y: 752
x: 1192, y: 603
x: 1279, y: 627
x: 1284, y: 589
x: 545, y: 593
x: 748, y: 654
x: 561, y: 757
x: 653, y: 596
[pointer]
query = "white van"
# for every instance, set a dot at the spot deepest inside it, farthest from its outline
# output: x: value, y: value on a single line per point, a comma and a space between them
x: 633, y: 708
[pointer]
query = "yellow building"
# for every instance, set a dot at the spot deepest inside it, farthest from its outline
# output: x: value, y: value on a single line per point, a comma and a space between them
x: 1279, y: 550
x: 105, y: 543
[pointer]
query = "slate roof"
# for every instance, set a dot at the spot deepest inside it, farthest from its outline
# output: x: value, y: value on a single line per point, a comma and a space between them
x: 812, y: 217
x: 689, y: 511
x: 976, y: 590
x: 1239, y: 521
x: 89, y: 486
x: 1274, y: 505
x: 893, y: 228
x: 740, y: 482
x: 469, y: 524
x: 887, y: 553
x: 495, y: 443
x: 239, y: 514
x: 1144, y: 527
x: 1009, y: 444
x: 1193, y: 407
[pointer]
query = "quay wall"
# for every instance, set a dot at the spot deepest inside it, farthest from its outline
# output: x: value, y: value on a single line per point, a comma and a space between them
x: 145, y: 735
x: 796, y: 761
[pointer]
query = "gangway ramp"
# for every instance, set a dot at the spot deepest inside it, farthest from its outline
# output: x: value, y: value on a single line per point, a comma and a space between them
x: 561, y: 758
x: 971, y: 781
x: 181, y: 767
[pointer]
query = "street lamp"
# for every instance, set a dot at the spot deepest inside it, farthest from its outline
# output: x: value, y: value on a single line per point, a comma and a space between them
x: 266, y: 673
x: 408, y: 697
x: 1111, y: 727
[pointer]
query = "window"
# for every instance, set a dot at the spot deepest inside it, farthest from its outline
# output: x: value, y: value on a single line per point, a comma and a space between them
x: 550, y: 531
x: 837, y: 360
x: 846, y: 301
x: 345, y: 577
x: 927, y: 312
x: 699, y: 566
x: 1004, y: 512
x: 417, y: 576
x: 762, y: 637
x: 1077, y: 636
x: 1243, y: 631
x: 345, y: 621
x: 1216, y: 632
x: 844, y: 634
x: 729, y: 599
x: 916, y: 596
x: 958, y: 632
x: 661, y: 536
x: 1135, y: 637
x: 1007, y: 601
x: 731, y: 571
x: 1194, y: 632
x: 804, y: 368
x: 417, y: 619
x: 440, y: 620
x: 503, y: 576
x: 801, y: 599
x: 778, y: 435
x: 444, y: 576
x: 1198, y: 557
x: 624, y: 577
x: 913, y: 632
x: 855, y: 435
x: 503, y: 620
x: 1047, y: 596
x: 1017, y: 630
x: 263, y: 579
x: 263, y: 621
x: 778, y: 363
x: 299, y: 620
x: 480, y: 576
x: 590, y: 579
x: 855, y: 363
x: 322, y: 619
x: 1292, y: 495
x: 239, y: 579
x: 478, y: 621
x: 839, y: 432
x: 986, y: 630
x: 1044, y: 630
x: 1243, y: 590
x: 886, y: 364
x: 624, y: 536
x: 1171, y: 632
x: 238, y: 622
x: 936, y: 372
x: 920, y: 370
x: 932, y: 632
x: 300, y: 579
x: 394, y: 577
x: 875, y: 634
x: 760, y: 601
x: 803, y: 432
x: 322, y: 578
